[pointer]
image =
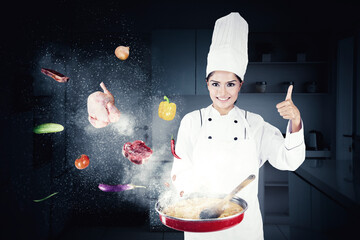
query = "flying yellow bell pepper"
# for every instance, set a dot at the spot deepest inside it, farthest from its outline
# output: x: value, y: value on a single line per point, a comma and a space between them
x: 167, y: 110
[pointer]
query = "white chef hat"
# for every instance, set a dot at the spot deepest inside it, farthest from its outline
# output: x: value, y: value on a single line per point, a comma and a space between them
x: 229, y: 48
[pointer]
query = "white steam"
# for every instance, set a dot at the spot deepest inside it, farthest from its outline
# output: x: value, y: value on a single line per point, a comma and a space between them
x: 125, y: 125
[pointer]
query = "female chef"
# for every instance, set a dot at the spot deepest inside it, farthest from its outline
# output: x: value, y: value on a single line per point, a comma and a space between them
x: 221, y: 145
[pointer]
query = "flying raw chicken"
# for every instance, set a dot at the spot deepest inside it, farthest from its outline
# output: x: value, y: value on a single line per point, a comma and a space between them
x: 101, y: 108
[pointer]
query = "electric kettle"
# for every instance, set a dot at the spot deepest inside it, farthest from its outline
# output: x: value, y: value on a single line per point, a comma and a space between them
x: 315, y: 140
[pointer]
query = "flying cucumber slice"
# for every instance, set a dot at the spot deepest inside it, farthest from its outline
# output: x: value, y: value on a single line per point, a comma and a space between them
x: 48, y: 128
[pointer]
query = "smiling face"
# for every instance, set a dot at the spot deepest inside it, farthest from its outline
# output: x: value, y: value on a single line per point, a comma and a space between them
x: 224, y: 88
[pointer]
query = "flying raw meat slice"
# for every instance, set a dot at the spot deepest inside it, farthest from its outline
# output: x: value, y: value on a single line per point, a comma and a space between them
x: 55, y: 75
x: 101, y: 108
x: 137, y: 152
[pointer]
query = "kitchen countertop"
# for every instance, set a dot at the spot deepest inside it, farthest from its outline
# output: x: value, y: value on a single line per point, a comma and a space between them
x: 334, y: 179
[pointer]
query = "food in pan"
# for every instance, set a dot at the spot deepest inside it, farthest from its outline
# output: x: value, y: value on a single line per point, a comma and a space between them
x: 137, y: 152
x: 122, y: 52
x: 167, y: 110
x: 101, y: 108
x: 191, y: 208
x: 55, y: 75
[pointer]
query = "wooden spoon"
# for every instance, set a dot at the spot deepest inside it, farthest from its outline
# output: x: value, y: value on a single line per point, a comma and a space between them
x: 216, y: 210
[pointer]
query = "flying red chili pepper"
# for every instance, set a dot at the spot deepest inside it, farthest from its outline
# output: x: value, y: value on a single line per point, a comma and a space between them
x: 173, y: 148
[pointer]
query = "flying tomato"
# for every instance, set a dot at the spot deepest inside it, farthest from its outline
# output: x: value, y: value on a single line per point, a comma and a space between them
x: 82, y: 162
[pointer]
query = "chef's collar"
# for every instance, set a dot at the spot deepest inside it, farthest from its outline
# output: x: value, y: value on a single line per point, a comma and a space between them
x: 215, y: 113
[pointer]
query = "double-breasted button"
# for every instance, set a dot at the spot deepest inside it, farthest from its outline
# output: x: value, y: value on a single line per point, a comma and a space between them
x: 209, y: 137
x: 209, y: 119
x: 235, y: 138
x: 235, y: 121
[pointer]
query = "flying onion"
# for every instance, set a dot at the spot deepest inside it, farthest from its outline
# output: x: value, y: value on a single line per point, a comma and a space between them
x: 122, y: 52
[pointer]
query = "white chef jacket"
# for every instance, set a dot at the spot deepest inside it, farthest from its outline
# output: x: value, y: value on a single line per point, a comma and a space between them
x: 283, y: 153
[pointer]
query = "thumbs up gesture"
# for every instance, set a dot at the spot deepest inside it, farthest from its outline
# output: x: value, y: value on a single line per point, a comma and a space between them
x: 288, y: 110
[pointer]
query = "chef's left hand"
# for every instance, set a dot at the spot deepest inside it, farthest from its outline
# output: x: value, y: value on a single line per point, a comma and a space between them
x: 288, y: 110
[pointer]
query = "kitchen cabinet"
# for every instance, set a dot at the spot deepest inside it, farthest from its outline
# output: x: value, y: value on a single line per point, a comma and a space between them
x: 299, y: 202
x: 276, y: 204
x: 279, y: 74
x: 316, y: 215
x: 283, y: 64
x: 345, y: 102
x: 277, y: 190
x: 173, y: 62
x: 203, y: 41
x: 179, y: 59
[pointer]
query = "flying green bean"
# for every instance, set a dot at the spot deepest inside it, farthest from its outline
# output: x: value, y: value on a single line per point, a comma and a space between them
x: 40, y: 200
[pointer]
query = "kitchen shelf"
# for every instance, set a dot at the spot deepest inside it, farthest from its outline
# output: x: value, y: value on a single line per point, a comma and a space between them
x: 282, y: 93
x: 276, y: 184
x: 286, y: 63
x: 276, y: 74
x: 318, y: 154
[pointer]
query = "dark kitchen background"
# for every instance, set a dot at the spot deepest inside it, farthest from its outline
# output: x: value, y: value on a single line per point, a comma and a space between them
x: 313, y: 44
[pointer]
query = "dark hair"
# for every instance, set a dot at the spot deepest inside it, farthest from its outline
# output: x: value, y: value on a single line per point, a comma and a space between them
x: 212, y: 73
